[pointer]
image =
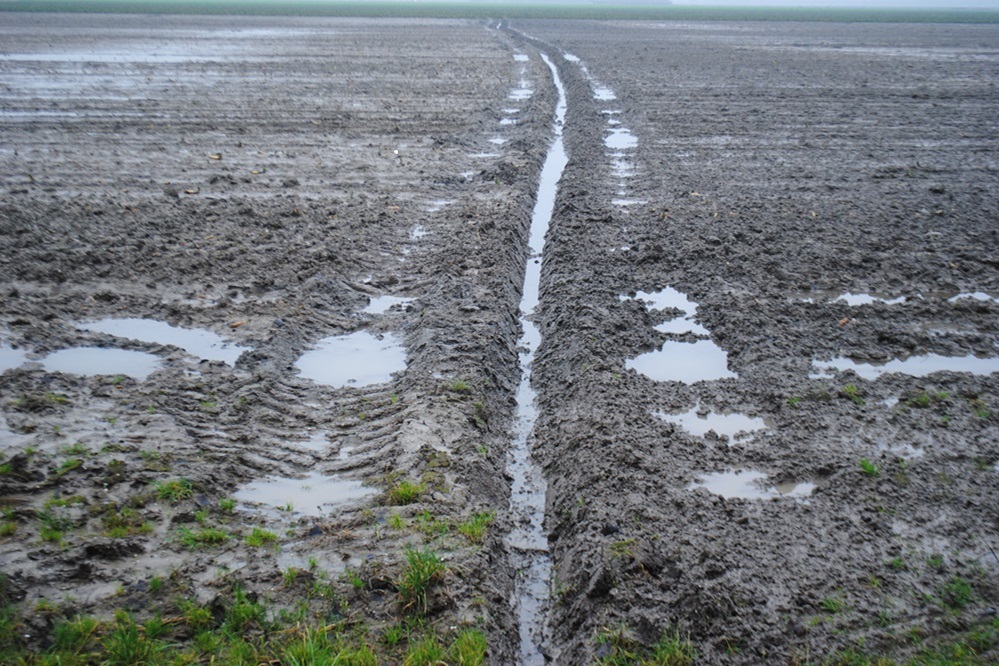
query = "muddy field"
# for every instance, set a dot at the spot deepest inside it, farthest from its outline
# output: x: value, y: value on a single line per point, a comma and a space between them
x: 767, y: 400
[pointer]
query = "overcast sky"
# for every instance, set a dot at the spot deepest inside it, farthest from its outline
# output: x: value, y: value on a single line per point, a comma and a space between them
x: 922, y: 4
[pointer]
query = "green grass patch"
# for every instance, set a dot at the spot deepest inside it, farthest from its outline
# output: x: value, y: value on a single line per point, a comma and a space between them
x: 207, y: 537
x: 174, y: 491
x: 405, y: 492
x: 869, y: 468
x: 957, y: 593
x: 258, y: 537
x: 423, y: 570
x: 475, y: 526
x: 316, y: 646
x: 428, y: 524
x: 852, y: 393
x: 426, y: 651
x: 621, y: 649
x: 834, y: 604
x: 68, y: 466
x: 124, y: 522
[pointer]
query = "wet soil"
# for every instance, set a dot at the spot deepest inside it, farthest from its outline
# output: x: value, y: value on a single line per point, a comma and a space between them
x: 269, y: 180
x: 780, y: 166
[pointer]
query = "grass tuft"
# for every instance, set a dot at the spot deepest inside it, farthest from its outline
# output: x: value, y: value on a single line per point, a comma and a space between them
x: 405, y: 492
x: 469, y: 648
x: 621, y: 649
x: 474, y: 528
x: 209, y: 536
x: 258, y: 537
x: 869, y: 468
x: 424, y: 569
x: 174, y: 491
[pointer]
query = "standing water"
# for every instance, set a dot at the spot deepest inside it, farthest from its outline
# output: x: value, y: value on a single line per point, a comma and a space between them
x: 528, y: 542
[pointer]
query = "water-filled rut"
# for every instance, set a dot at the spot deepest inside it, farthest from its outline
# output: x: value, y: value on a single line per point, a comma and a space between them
x: 528, y: 541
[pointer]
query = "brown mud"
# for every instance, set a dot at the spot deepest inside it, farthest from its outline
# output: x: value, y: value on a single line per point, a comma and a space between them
x: 265, y: 179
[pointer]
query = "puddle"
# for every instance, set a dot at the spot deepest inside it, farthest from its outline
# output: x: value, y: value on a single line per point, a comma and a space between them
x: 684, y: 362
x: 520, y: 94
x: 682, y: 326
x: 603, y: 94
x: 914, y: 366
x: 622, y: 168
x: 570, y: 57
x: 419, y: 231
x: 382, y: 304
x: 854, y: 300
x: 700, y: 422
x: 196, y: 342
x: 621, y: 138
x: 749, y: 484
x: 508, y: 121
x: 670, y: 298
x: 857, y: 300
x: 313, y: 495
x: 521, y: 57
x: 498, y: 140
x: 511, y: 111
x: 93, y: 361
x: 528, y: 541
x: 628, y: 202
x: 976, y: 296
x: 11, y: 358
x: 483, y: 155
x: 358, y: 359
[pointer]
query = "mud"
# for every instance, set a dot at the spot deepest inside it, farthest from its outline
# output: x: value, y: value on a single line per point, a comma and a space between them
x: 278, y: 183
x: 776, y: 160
x: 282, y: 182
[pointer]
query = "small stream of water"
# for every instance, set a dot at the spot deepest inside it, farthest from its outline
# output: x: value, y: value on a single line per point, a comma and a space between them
x: 528, y: 542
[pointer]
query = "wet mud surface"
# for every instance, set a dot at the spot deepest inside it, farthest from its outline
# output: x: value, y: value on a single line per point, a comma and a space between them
x: 753, y: 219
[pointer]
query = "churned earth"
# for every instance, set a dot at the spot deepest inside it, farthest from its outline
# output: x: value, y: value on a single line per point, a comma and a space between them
x: 765, y: 384
x: 275, y: 183
x: 764, y: 201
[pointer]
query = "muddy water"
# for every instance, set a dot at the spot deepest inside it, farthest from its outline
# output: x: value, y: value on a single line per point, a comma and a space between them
x: 93, y: 361
x: 914, y: 366
x: 749, y: 484
x: 684, y: 362
x: 196, y: 342
x: 382, y: 304
x: 699, y: 422
x: 10, y: 358
x: 528, y: 541
x: 314, y: 494
x: 358, y: 359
